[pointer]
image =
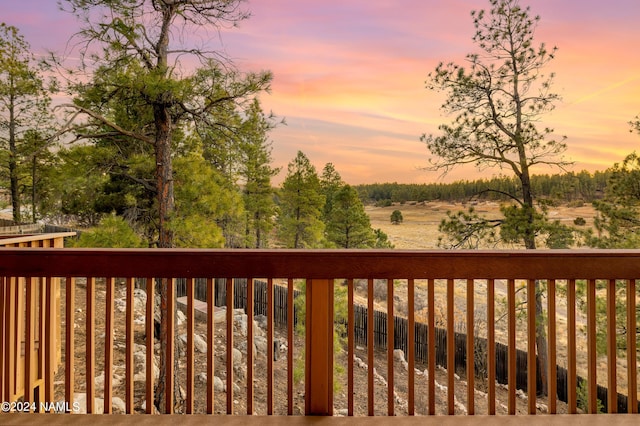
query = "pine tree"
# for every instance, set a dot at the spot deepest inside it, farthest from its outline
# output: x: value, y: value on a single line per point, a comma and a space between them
x: 300, y: 222
x: 24, y: 113
x: 348, y: 225
x: 330, y: 182
x: 498, y: 103
x: 256, y: 171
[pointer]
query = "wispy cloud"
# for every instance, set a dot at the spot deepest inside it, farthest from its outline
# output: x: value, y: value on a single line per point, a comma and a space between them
x: 349, y: 75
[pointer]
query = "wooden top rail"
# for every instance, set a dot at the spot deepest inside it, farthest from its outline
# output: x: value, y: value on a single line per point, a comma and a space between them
x: 322, y: 264
x: 31, y: 239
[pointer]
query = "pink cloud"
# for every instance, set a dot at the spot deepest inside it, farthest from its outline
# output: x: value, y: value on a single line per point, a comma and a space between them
x: 358, y: 67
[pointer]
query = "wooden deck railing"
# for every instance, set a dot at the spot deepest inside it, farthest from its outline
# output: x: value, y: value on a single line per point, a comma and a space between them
x: 13, y: 347
x: 449, y: 280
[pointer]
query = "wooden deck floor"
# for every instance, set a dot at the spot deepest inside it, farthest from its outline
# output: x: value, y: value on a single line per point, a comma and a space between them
x: 193, y: 420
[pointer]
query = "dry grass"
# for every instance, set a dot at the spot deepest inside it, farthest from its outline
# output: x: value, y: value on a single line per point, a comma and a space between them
x: 419, y: 230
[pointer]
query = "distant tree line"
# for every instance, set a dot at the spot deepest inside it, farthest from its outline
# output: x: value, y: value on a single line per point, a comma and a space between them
x: 562, y: 188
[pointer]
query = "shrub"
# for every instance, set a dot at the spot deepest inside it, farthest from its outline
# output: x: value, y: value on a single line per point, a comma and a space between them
x: 396, y: 217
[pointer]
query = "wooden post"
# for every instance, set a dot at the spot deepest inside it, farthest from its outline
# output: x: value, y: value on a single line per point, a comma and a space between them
x: 3, y: 353
x: 319, y: 348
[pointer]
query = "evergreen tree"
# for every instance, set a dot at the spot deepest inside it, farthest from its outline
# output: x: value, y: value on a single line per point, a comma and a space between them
x: 205, y: 205
x: 617, y: 223
x: 396, y: 217
x: 76, y: 185
x: 112, y: 232
x: 348, y: 225
x: 256, y: 171
x: 139, y: 58
x: 498, y: 103
x: 330, y: 182
x: 141, y: 91
x: 24, y: 114
x: 617, y: 226
x: 382, y: 240
x: 300, y: 222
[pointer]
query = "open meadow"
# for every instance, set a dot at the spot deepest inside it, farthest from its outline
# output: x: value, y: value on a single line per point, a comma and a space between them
x: 419, y: 229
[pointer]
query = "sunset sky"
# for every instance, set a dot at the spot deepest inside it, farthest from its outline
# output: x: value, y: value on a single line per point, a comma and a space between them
x: 349, y: 75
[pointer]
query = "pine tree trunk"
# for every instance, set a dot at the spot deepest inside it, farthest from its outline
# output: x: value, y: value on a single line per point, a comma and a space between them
x: 166, y: 207
x: 541, y: 344
x: 541, y: 333
x: 13, y: 165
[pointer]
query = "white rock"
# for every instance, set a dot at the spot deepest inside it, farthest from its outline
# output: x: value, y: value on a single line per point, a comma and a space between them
x: 218, y: 384
x: 181, y: 317
x: 220, y: 314
x: 143, y: 406
x: 80, y: 401
x: 200, y: 343
x: 398, y: 355
x: 261, y: 344
x: 242, y: 322
x: 118, y: 405
x: 139, y: 299
x: 237, y: 356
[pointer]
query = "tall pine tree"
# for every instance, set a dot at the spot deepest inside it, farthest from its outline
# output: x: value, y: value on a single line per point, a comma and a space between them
x: 300, y: 222
x: 256, y: 171
x: 24, y: 112
x: 348, y: 225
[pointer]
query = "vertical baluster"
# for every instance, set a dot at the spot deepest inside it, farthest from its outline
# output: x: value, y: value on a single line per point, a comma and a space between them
x: 50, y: 334
x: 632, y: 378
x: 553, y: 380
x: 491, y: 347
x: 411, y: 339
x: 531, y: 345
x: 270, y: 312
x: 370, y: 348
x: 390, y: 348
x: 29, y: 342
x: 170, y: 346
x: 18, y: 371
x: 250, y: 361
x: 90, y: 366
x: 3, y: 349
x: 230, y: 343
x: 612, y: 387
x: 591, y: 347
x: 69, y: 347
x: 150, y: 341
x: 129, y: 365
x: 431, y: 347
x: 571, y: 348
x: 470, y: 349
x: 511, y: 337
x: 42, y: 318
x: 210, y: 342
x: 290, y: 345
x: 190, y: 351
x: 350, y: 346
x: 451, y: 347
x: 108, y: 345
x: 330, y: 338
